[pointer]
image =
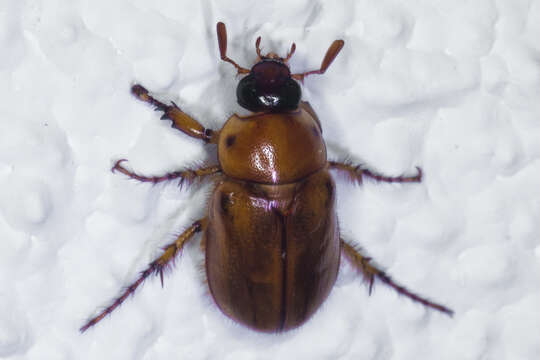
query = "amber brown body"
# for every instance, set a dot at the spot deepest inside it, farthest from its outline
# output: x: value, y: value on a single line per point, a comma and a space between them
x: 270, y: 232
x: 272, y: 243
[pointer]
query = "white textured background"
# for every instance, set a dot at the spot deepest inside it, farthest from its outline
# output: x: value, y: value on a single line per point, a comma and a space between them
x: 452, y: 86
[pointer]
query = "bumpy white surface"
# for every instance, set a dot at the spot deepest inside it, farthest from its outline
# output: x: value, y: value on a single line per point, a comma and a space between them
x: 452, y: 86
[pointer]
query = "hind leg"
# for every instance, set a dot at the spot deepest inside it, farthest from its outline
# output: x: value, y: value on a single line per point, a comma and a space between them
x: 363, y: 264
x: 155, y: 267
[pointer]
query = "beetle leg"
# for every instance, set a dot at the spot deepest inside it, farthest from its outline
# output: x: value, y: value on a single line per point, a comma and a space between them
x: 370, y: 272
x: 180, y: 120
x: 155, y: 267
x: 331, y: 54
x: 356, y: 173
x: 186, y: 176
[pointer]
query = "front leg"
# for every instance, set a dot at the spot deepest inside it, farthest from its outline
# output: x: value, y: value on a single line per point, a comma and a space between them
x: 180, y: 120
x: 186, y: 176
x: 357, y: 172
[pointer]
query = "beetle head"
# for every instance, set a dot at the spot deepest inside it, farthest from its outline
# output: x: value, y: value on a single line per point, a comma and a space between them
x: 269, y: 85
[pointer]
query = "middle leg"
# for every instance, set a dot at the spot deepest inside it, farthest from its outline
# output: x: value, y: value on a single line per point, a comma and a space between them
x: 184, y: 176
x: 370, y: 272
x: 356, y: 173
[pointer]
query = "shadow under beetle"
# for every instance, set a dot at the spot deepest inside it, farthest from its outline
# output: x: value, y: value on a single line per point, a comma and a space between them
x: 270, y: 234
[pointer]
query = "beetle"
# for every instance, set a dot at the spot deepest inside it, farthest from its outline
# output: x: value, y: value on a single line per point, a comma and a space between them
x: 270, y: 234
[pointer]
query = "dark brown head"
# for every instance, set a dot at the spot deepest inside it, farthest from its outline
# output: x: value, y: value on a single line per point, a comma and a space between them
x: 269, y: 85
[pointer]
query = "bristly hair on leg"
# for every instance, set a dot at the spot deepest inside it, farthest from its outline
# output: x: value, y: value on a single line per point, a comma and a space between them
x: 169, y: 265
x: 156, y: 267
x: 153, y: 268
x: 185, y: 177
x: 196, y: 172
x: 348, y: 170
x: 356, y: 173
x: 352, y: 253
x: 371, y: 271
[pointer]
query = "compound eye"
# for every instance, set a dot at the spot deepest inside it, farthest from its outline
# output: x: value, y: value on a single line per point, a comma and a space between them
x: 270, y: 75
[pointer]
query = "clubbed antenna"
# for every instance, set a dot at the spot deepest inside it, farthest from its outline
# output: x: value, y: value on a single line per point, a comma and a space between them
x: 257, y: 47
x: 291, y: 52
x: 331, y: 54
x: 222, y: 40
